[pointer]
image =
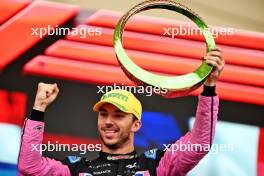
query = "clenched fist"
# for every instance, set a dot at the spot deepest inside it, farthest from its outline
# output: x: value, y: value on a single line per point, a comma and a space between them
x: 46, y: 94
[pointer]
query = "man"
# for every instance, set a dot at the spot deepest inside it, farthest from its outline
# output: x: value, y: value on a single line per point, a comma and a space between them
x: 119, y: 118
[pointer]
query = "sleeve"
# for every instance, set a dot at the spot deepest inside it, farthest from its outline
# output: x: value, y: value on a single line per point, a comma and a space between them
x: 177, y: 162
x: 30, y: 160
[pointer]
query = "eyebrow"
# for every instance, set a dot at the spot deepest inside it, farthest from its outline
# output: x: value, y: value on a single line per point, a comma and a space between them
x: 118, y: 111
x: 102, y: 109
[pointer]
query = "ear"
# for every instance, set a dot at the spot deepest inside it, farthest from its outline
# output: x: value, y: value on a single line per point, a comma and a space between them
x: 136, y: 126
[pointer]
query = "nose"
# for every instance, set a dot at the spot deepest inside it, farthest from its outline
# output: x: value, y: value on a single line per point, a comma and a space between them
x: 108, y: 120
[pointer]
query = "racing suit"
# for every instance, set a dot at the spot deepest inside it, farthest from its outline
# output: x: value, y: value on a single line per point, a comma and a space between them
x: 151, y: 163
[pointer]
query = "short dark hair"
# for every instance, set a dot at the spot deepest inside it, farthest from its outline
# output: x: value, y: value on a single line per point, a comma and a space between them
x: 134, y: 118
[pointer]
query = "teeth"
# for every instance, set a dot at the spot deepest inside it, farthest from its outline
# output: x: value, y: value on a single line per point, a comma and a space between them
x: 108, y: 131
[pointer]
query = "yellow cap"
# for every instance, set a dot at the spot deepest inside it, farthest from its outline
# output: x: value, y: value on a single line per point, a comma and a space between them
x: 123, y: 100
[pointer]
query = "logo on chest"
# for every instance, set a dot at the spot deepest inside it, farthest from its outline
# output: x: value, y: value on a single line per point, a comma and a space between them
x: 85, y: 174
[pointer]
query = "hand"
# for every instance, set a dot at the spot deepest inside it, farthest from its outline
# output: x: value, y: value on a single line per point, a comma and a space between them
x: 215, y: 59
x: 45, y: 95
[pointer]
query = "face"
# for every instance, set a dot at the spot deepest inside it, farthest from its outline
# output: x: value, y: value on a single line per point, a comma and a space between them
x: 116, y: 127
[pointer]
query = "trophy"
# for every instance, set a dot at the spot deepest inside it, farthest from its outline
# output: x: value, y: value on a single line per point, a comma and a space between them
x: 175, y: 86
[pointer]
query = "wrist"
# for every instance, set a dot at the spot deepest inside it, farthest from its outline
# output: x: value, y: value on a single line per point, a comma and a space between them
x: 40, y: 107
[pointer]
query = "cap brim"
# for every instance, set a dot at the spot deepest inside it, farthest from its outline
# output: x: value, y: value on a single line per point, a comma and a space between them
x: 99, y: 104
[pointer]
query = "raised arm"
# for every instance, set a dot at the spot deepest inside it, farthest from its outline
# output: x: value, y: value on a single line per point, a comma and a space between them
x: 30, y: 160
x: 177, y: 162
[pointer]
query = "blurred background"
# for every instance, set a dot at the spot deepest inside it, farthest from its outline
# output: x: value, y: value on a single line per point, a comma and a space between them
x: 84, y: 59
x: 241, y: 14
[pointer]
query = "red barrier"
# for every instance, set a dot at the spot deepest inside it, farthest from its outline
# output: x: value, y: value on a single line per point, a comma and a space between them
x: 151, y: 25
x: 8, y: 8
x: 108, y: 74
x: 159, y: 62
x: 15, y: 42
x: 174, y: 47
x: 260, y: 164
x: 13, y: 107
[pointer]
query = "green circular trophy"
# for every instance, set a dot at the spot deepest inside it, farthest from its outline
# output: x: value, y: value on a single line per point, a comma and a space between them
x: 175, y: 86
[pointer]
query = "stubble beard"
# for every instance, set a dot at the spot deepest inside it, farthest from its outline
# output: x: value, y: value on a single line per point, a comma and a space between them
x: 124, y: 138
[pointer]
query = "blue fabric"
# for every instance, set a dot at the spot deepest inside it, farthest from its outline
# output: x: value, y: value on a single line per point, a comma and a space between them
x: 157, y: 129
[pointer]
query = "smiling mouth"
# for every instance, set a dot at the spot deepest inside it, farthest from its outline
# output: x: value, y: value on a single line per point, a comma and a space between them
x: 110, y: 132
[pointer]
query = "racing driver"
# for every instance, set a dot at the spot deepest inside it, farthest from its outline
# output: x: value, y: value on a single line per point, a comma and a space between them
x: 119, y: 118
